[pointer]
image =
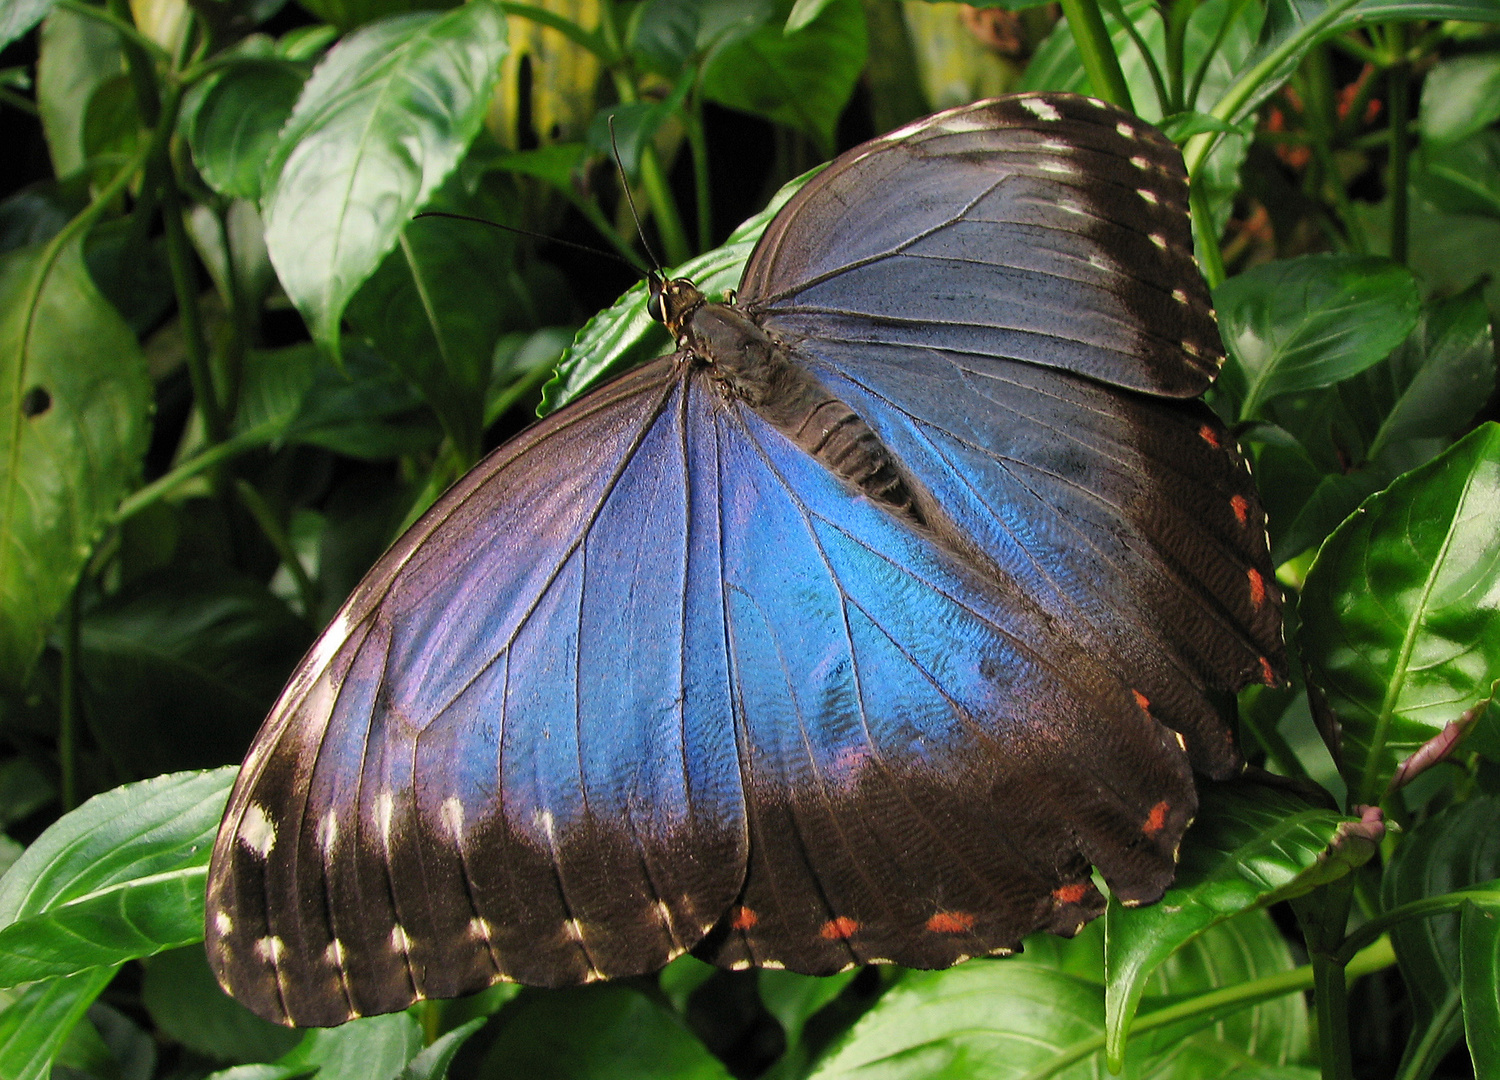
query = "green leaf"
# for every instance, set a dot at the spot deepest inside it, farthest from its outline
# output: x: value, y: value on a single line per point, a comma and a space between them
x: 624, y: 334
x: 672, y: 35
x: 1463, y: 177
x: 371, y: 1048
x: 34, y: 1026
x: 608, y: 1032
x: 1456, y: 848
x: 1250, y: 846
x: 432, y: 1063
x: 19, y: 16
x: 1401, y: 612
x: 1298, y: 324
x: 348, y: 14
x: 382, y: 122
x: 793, y: 998
x: 119, y: 877
x: 1480, y: 937
x: 184, y: 1000
x: 1390, y: 418
x: 74, y: 403
x: 233, y: 126
x: 1460, y: 97
x: 801, y: 79
x: 156, y: 653
x: 803, y: 13
x: 75, y: 55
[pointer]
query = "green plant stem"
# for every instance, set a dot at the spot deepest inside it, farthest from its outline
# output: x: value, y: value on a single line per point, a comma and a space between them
x: 1158, y: 83
x: 1178, y: 15
x: 1443, y: 904
x: 214, y: 456
x: 1239, y: 95
x: 1400, y: 106
x: 121, y: 26
x: 67, y: 703
x: 1210, y: 255
x: 1219, y: 1003
x: 1191, y: 100
x: 18, y: 101
x: 271, y: 528
x: 516, y: 391
x: 702, y: 184
x: 1097, y: 52
x: 1322, y: 121
x: 1324, y: 916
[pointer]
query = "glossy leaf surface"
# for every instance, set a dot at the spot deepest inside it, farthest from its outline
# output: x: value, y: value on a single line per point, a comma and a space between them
x: 1401, y: 611
x: 120, y: 877
x: 381, y: 123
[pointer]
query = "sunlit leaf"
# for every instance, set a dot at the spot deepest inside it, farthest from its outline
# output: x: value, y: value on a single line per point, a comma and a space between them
x: 1401, y: 610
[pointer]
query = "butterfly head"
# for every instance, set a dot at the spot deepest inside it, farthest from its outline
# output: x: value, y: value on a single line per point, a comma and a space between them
x: 672, y: 302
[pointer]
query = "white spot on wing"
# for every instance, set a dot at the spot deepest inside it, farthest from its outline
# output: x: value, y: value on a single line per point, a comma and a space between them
x: 385, y: 804
x: 1125, y: 129
x: 1159, y: 240
x: 453, y: 816
x: 257, y: 831
x: 1140, y: 163
x: 334, y: 954
x: 1150, y: 197
x: 328, y: 832
x: 962, y: 122
x: 773, y: 965
x: 740, y: 965
x: 573, y: 930
x: 223, y: 923
x: 1057, y: 168
x: 664, y: 913
x: 1040, y: 109
x: 268, y: 949
x: 479, y: 928
x: 399, y: 941
x: 1057, y: 146
x: 1180, y: 296
x: 543, y: 821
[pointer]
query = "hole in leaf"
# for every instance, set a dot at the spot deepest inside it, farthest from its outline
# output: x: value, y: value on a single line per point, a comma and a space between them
x: 35, y: 402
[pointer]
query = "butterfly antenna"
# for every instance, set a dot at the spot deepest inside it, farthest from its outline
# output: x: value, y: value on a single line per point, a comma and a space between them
x: 625, y: 185
x: 528, y: 232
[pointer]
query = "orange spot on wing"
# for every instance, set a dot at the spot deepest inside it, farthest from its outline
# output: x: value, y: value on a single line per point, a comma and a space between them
x: 1241, y: 508
x: 1142, y: 700
x: 1209, y: 435
x: 951, y: 922
x: 1156, y: 819
x: 840, y: 928
x: 1257, y: 587
x: 744, y: 918
x: 1267, y: 672
x: 1071, y: 894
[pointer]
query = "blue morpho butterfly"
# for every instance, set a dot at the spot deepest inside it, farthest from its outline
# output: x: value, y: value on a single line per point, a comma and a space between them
x: 855, y: 631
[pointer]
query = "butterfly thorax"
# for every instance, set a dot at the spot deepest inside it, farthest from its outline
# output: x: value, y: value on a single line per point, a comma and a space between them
x: 750, y: 367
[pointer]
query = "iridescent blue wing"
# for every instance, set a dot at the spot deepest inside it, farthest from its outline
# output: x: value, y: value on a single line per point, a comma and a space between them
x: 511, y: 754
x: 929, y: 767
x: 1007, y: 294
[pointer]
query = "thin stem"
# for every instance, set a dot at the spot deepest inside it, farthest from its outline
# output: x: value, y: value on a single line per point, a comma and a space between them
x: 1097, y: 52
x: 121, y: 26
x: 658, y: 193
x: 1158, y: 83
x: 1322, y: 119
x: 702, y: 186
x: 1426, y: 907
x: 1191, y: 100
x: 1221, y: 1002
x: 516, y: 391
x: 164, y: 485
x: 1178, y: 15
x: 1248, y: 85
x: 67, y: 703
x: 1324, y: 916
x: 271, y: 528
x: 18, y: 101
x: 1211, y: 257
x: 1400, y: 106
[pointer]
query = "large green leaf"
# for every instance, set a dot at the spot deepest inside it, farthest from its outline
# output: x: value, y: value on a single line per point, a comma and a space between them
x: 1401, y: 610
x: 624, y: 334
x: 382, y: 122
x: 1480, y: 938
x: 1298, y: 324
x: 75, y: 55
x: 608, y: 1032
x: 120, y: 877
x: 801, y: 78
x: 1460, y: 97
x: 74, y: 402
x: 181, y: 668
x: 36, y: 1023
x: 371, y: 1048
x: 1249, y: 847
x: 672, y: 35
x: 185, y: 1001
x: 234, y: 124
x: 1390, y: 418
x: 1453, y: 849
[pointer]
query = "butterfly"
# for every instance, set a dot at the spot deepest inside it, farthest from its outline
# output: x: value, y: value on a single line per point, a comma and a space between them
x: 859, y: 629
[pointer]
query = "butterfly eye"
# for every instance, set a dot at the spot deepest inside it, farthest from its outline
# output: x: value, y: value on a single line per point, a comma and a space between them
x: 654, y: 306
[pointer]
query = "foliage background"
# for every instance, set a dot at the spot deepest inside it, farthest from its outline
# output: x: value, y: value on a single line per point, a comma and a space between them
x: 232, y: 366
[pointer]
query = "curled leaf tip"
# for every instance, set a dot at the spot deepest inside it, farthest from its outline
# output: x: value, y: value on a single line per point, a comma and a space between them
x: 1435, y: 749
